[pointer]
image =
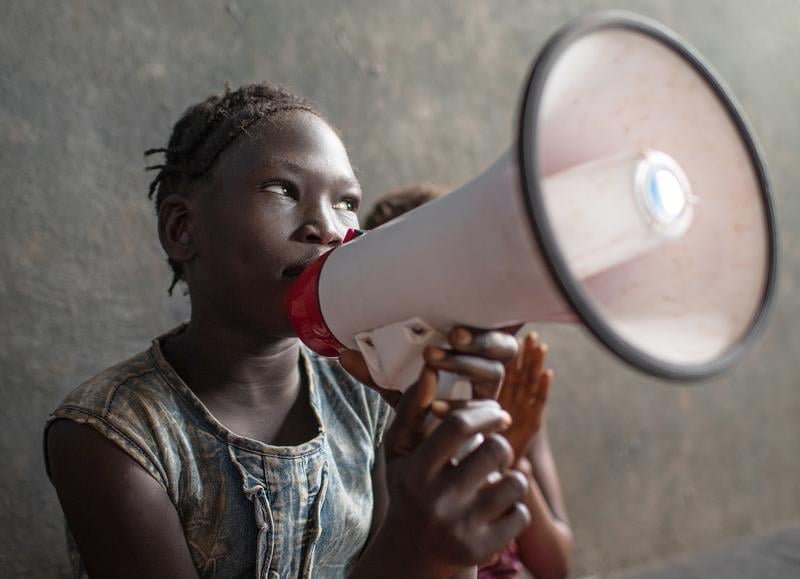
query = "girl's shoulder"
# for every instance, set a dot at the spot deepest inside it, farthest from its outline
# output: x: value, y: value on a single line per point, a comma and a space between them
x: 133, y: 404
x: 138, y: 377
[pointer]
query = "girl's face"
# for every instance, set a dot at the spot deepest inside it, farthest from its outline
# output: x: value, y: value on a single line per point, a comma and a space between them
x: 279, y: 197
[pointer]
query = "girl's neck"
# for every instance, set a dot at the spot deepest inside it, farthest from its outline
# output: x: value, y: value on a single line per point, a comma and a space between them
x: 217, y: 361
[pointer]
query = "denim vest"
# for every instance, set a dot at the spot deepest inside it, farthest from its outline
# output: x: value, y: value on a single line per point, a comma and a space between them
x: 247, y: 508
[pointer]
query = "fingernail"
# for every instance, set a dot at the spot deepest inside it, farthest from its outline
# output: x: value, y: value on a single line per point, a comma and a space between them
x: 462, y: 337
x: 436, y: 354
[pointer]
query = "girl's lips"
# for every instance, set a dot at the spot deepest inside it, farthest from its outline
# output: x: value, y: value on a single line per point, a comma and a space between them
x: 295, y: 270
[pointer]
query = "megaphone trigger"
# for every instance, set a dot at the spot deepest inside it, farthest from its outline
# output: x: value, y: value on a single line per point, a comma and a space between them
x: 394, y: 352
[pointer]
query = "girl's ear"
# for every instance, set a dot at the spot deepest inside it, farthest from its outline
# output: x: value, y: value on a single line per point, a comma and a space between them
x: 175, y: 228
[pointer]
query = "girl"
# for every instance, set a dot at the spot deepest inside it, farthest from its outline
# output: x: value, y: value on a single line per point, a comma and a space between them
x: 227, y: 449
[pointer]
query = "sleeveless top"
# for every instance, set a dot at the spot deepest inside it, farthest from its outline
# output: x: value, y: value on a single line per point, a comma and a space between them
x: 247, y: 508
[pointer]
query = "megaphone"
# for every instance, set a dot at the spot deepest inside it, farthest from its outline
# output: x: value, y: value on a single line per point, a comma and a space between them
x: 635, y: 201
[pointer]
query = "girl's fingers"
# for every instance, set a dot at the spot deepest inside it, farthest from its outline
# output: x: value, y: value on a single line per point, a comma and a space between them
x: 491, y: 344
x: 494, y: 454
x: 541, y: 353
x: 458, y: 426
x: 536, y: 405
x: 534, y: 364
x: 407, y: 429
x: 495, y: 498
x: 504, y: 529
x: 473, y: 368
x: 524, y: 466
x: 509, y: 386
x: 529, y: 358
x: 440, y: 408
x: 512, y: 366
x: 544, y: 387
x: 528, y: 352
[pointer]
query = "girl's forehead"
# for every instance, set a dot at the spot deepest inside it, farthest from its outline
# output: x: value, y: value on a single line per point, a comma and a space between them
x: 296, y: 130
x: 298, y: 140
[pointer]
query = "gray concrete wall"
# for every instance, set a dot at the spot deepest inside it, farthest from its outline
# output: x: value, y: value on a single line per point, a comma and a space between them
x: 422, y: 91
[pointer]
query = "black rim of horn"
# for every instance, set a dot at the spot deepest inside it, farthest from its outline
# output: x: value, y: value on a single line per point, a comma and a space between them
x: 528, y: 163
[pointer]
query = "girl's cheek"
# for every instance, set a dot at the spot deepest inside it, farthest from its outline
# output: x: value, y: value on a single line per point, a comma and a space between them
x: 350, y: 220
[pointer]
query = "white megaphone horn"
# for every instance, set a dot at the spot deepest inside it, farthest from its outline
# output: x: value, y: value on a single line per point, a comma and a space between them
x: 635, y: 201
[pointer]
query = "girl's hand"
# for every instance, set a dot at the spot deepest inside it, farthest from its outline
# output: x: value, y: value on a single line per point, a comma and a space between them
x: 444, y: 517
x: 441, y: 517
x: 475, y: 355
x: 524, y: 393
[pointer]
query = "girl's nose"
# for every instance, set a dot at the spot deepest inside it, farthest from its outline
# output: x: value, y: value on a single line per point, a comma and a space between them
x: 320, y: 228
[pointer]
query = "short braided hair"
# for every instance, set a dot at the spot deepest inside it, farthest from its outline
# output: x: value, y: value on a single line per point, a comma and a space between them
x: 206, y: 129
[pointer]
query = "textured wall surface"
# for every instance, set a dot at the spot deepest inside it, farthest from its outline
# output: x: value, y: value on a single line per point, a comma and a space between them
x: 422, y: 91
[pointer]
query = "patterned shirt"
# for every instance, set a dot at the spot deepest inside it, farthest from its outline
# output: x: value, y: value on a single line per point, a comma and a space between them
x: 247, y: 508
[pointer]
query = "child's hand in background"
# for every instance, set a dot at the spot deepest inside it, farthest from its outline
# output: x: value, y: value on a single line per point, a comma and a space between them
x: 524, y: 392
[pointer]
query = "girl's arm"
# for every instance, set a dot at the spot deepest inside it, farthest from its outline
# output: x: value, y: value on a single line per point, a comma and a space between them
x: 122, y: 520
x: 545, y: 547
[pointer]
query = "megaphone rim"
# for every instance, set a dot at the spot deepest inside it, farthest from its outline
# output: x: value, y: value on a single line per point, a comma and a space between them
x: 527, y: 153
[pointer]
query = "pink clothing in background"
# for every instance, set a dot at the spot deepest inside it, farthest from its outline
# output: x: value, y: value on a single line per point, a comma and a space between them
x: 506, y: 566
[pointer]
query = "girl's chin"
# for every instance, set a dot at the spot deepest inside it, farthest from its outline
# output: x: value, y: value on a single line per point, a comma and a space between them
x: 285, y: 329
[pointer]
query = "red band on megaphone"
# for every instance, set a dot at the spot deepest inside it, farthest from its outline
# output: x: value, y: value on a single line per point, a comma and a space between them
x: 302, y: 302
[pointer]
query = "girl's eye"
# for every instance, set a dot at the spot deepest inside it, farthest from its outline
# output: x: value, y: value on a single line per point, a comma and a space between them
x: 277, y: 188
x: 346, y: 205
